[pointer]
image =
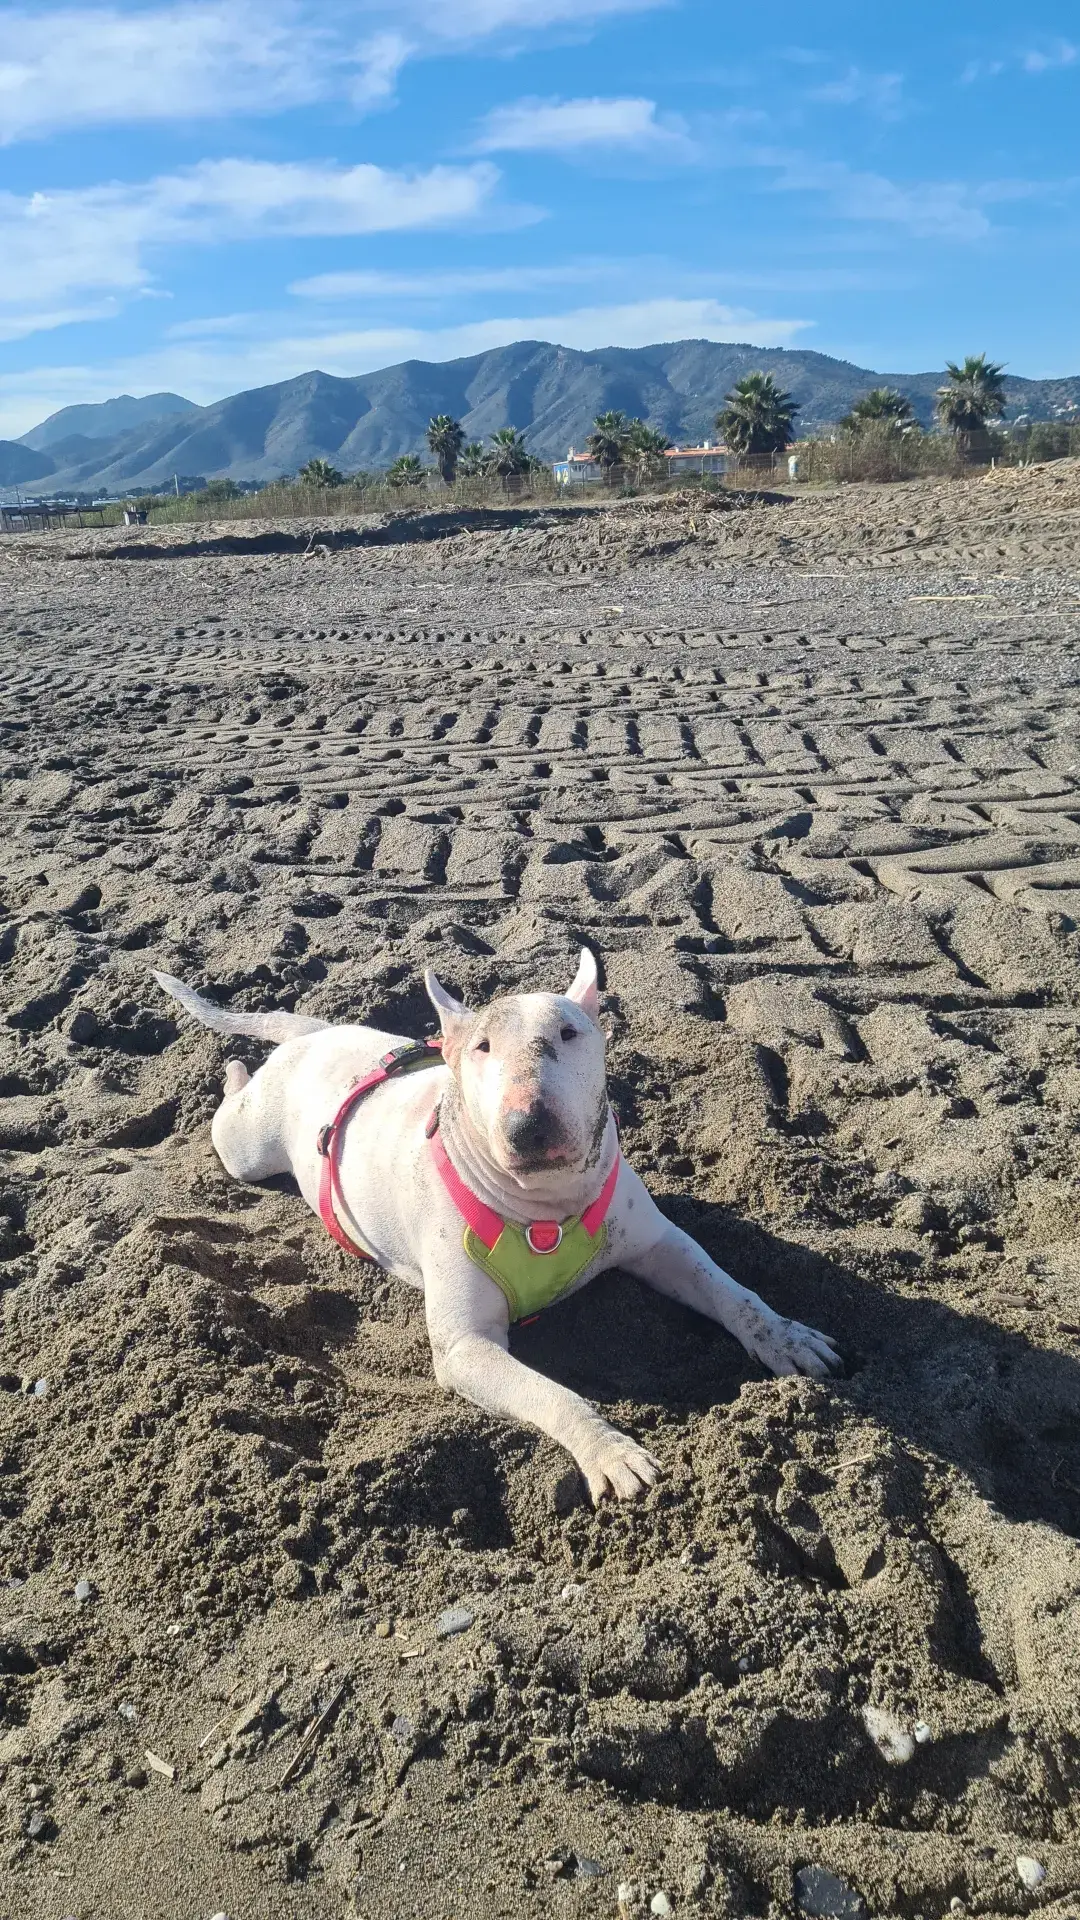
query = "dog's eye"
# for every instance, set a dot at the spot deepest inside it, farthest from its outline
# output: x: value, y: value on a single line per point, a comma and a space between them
x: 568, y: 1033
x: 483, y: 1046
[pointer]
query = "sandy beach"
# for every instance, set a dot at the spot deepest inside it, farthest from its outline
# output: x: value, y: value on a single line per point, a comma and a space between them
x: 805, y: 772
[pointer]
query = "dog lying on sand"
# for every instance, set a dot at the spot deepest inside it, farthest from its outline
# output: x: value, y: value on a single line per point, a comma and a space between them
x: 486, y: 1171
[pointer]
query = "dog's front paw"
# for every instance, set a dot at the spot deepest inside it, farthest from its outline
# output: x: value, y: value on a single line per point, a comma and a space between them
x: 786, y: 1346
x: 613, y: 1464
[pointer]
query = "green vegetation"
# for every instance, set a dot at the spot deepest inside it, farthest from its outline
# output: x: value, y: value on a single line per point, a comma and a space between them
x: 509, y: 457
x: 608, y: 443
x: 973, y: 395
x: 1044, y: 439
x: 471, y: 464
x: 406, y: 471
x: 446, y: 438
x: 757, y: 418
x: 884, y: 407
x: 319, y: 473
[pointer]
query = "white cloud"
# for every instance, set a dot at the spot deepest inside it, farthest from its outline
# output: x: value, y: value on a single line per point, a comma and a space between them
x: 1059, y: 53
x: 926, y: 209
x: 18, y: 326
x: 1049, y: 57
x: 87, y: 66
x: 879, y: 93
x: 562, y: 126
x: 83, y: 65
x: 375, y: 283
x: 59, y: 248
x: 475, y: 19
x: 206, y: 371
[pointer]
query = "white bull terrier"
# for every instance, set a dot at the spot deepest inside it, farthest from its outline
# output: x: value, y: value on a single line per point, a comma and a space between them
x: 493, y: 1182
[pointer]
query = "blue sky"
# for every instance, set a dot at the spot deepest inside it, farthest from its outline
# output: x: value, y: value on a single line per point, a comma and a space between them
x: 206, y: 197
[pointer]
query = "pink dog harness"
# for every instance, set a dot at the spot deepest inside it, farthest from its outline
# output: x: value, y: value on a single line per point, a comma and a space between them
x: 406, y: 1059
x: 532, y: 1265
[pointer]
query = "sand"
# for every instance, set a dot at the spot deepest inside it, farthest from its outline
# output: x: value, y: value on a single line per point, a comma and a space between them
x: 807, y: 776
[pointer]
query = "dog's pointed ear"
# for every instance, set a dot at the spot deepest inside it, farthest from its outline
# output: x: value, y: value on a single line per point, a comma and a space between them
x: 584, y: 990
x: 454, y: 1016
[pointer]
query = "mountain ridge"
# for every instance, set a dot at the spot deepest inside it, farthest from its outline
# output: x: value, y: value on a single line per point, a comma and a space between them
x: 549, y: 392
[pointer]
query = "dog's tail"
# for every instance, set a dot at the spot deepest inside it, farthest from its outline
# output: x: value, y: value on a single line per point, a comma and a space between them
x: 274, y: 1027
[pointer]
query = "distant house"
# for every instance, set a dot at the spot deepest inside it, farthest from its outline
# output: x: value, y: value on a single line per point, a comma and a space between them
x: 576, y: 467
x: 579, y: 468
x: 710, y: 457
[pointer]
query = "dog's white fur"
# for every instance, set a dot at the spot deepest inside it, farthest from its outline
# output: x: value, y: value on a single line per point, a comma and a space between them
x: 525, y: 1120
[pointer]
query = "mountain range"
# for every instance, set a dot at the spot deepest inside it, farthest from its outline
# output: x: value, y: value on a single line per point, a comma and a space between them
x: 551, y: 393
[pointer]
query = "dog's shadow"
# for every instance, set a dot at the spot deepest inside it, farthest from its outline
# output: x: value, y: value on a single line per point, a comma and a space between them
x: 985, y: 1399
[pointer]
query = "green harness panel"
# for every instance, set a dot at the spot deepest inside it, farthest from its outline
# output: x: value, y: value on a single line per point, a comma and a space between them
x: 531, y: 1281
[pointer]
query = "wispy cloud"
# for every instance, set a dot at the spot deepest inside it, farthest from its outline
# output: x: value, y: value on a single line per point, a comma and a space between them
x: 1059, y: 53
x: 205, y: 370
x: 374, y: 283
x: 60, y: 248
x: 954, y: 210
x: 475, y: 19
x: 879, y: 93
x: 567, y: 126
x: 87, y: 66
x: 84, y: 65
x: 1046, y: 56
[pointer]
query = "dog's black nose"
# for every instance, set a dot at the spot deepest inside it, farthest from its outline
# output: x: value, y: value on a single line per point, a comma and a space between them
x: 532, y: 1129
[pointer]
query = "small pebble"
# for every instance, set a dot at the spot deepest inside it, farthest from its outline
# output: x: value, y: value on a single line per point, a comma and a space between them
x: 626, y: 1893
x: 826, y: 1897
x: 923, y: 1733
x: 956, y: 1905
x: 41, y: 1388
x: 892, y: 1740
x: 1032, y: 1872
x: 219, y: 1916
x: 453, y: 1620
x: 83, y: 1591
x: 384, y: 1629
x: 401, y: 1727
x: 586, y: 1869
x: 37, y: 1825
x: 660, y: 1904
x: 126, y: 1710
x: 744, y: 1665
x: 571, y: 1590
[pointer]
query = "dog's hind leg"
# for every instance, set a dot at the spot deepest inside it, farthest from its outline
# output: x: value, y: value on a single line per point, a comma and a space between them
x: 247, y: 1147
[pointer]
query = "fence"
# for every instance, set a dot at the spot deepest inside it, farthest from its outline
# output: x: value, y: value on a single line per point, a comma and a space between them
x: 42, y: 518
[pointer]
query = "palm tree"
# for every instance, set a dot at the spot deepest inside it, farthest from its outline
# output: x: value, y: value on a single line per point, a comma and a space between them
x: 473, y: 460
x: 319, y: 473
x: 645, y: 448
x: 882, y: 406
x: 973, y: 395
x: 446, y: 437
x: 406, y: 471
x: 607, y: 443
x: 509, y: 455
x: 757, y: 416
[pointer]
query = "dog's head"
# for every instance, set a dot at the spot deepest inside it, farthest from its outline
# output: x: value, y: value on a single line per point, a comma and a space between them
x: 530, y: 1071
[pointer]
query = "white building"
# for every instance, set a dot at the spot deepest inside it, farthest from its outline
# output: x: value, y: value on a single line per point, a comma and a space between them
x: 579, y: 468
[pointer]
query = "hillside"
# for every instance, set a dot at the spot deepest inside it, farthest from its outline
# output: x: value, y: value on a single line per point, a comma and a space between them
x: 107, y: 419
x: 21, y: 466
x: 552, y: 393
